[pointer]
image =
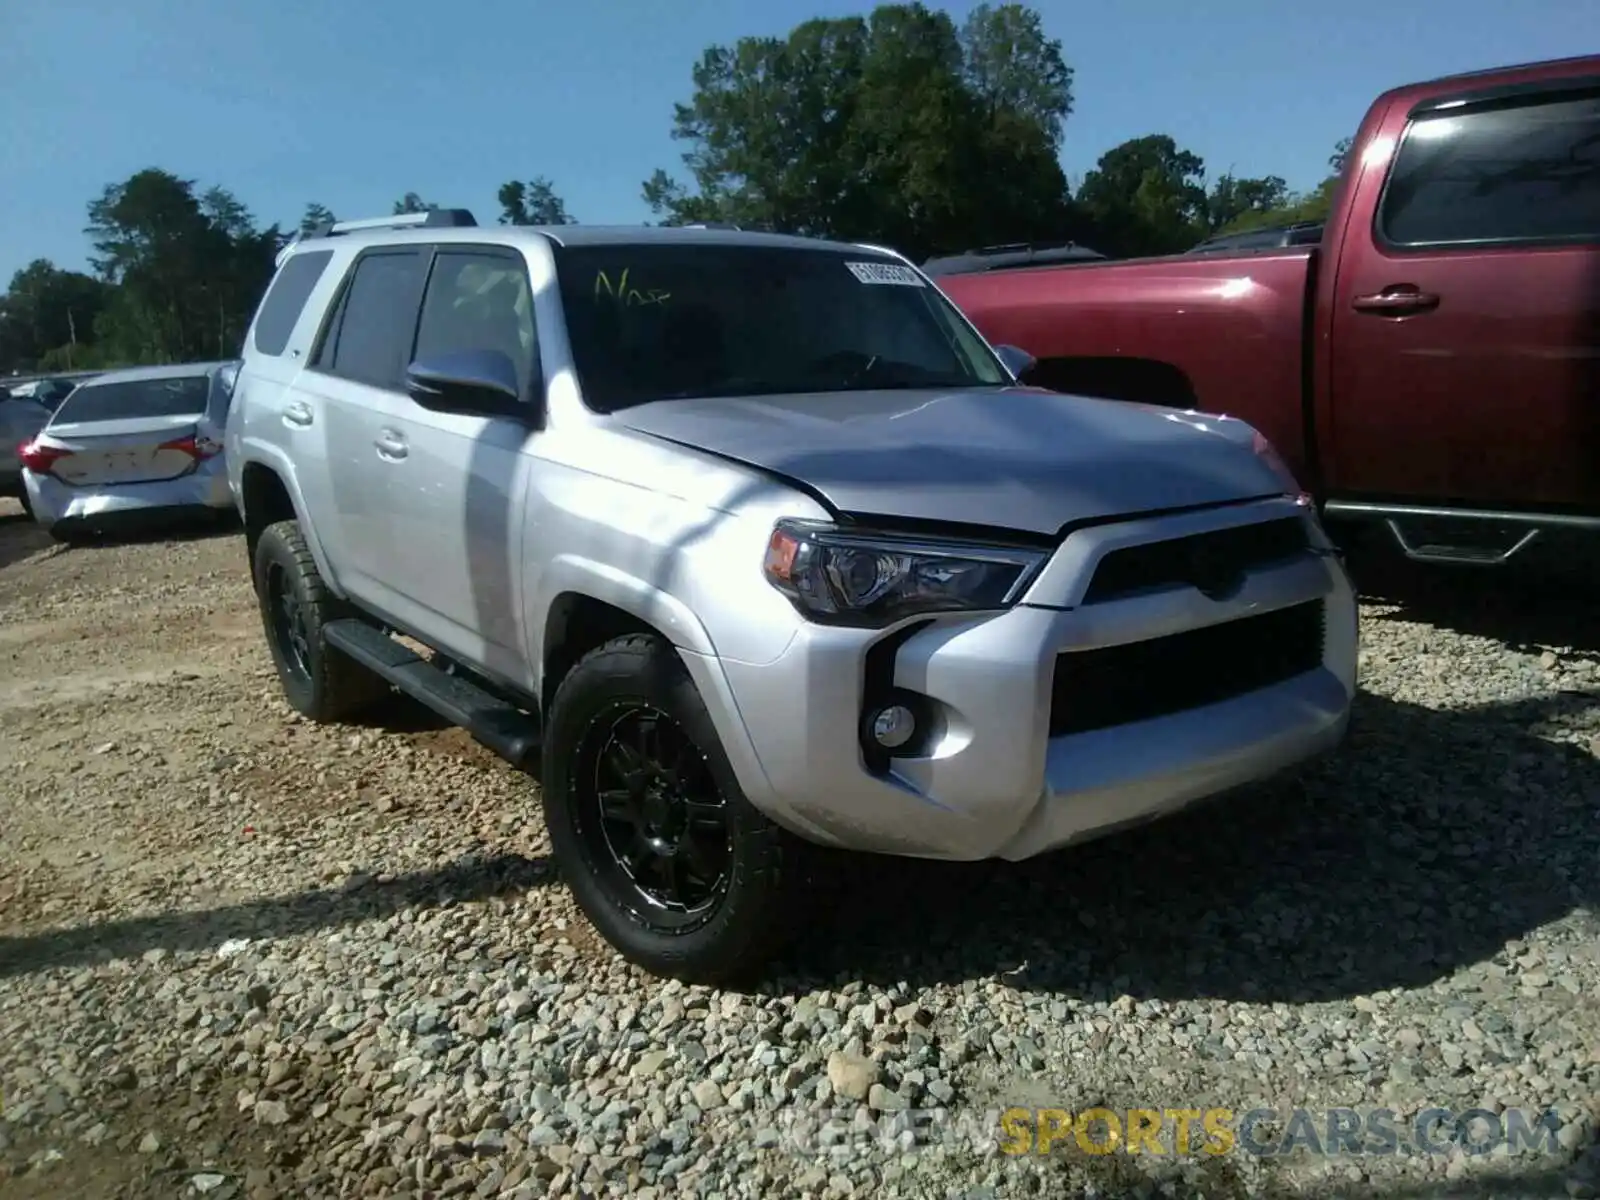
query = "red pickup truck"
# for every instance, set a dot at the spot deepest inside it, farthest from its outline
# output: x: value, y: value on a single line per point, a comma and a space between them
x: 1431, y: 365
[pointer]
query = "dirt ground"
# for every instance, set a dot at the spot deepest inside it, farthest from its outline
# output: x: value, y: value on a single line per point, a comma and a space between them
x: 159, y: 795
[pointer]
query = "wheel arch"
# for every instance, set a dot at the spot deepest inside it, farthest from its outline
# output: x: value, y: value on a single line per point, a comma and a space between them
x: 268, y: 493
x: 1115, y: 377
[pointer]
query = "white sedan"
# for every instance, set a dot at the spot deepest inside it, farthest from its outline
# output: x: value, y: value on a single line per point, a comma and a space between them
x: 129, y: 447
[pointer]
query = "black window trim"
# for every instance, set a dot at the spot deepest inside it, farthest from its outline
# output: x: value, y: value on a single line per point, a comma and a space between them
x: 333, y: 321
x: 535, y: 385
x: 1494, y: 99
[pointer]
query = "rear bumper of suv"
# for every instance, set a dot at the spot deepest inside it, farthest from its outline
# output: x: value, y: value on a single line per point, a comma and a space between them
x: 1060, y: 719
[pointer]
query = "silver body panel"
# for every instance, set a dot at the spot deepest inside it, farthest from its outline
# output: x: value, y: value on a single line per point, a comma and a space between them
x: 470, y: 532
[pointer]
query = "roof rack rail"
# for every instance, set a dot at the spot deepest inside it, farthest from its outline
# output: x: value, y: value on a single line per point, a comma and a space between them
x: 713, y: 225
x: 433, y: 218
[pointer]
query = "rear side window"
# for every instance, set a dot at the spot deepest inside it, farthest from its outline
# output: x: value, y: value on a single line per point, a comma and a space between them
x: 370, y: 339
x: 179, y: 396
x: 1525, y: 172
x: 286, y: 298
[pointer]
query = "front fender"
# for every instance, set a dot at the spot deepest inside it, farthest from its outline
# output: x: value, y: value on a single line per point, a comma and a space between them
x: 659, y: 609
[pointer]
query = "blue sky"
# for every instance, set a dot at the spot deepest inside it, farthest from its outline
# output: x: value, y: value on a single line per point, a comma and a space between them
x: 352, y: 104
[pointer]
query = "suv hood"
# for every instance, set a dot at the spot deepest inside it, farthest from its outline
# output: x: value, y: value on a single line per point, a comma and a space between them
x: 1012, y: 458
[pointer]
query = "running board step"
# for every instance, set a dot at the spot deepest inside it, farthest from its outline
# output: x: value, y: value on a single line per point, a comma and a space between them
x: 506, y: 730
x: 1497, y: 548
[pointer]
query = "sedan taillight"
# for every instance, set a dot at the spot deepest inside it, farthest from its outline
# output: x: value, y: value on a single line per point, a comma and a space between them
x: 195, y: 447
x: 39, y: 459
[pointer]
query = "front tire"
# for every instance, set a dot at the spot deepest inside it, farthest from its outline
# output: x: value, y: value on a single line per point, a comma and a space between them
x: 647, y: 822
x: 318, y: 681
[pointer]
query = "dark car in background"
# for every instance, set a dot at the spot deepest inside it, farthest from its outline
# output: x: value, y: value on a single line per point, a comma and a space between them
x: 1011, y: 257
x: 1273, y: 237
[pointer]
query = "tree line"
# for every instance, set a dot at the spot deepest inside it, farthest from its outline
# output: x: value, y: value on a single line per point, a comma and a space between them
x: 899, y: 127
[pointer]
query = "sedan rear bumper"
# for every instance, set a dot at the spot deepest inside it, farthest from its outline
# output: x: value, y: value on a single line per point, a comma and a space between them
x: 56, y: 502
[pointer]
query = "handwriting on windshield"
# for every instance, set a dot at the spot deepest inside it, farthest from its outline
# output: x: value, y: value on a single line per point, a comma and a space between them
x: 627, y: 296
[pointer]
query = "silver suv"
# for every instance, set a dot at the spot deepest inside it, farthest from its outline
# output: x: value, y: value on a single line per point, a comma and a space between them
x: 745, y: 544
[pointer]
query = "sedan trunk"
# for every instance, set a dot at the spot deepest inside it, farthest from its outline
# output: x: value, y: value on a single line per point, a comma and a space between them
x: 136, y: 450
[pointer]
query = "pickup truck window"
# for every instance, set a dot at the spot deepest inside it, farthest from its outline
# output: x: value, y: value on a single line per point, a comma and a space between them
x: 742, y: 320
x: 1529, y: 172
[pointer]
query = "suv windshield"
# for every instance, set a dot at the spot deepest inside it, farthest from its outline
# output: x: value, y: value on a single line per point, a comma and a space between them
x: 175, y: 396
x: 660, y: 322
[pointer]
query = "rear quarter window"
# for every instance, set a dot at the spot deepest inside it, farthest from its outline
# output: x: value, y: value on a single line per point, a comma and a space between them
x: 286, y: 299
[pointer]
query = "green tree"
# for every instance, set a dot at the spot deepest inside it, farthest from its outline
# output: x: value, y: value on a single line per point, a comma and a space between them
x: 185, y: 271
x: 47, y: 309
x: 1336, y: 160
x: 412, y: 203
x: 316, y: 215
x: 1314, y: 205
x: 1146, y: 196
x: 532, y: 203
x: 896, y: 127
x: 1231, y: 198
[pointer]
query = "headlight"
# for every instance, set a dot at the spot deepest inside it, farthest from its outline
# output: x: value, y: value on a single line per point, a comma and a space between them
x: 846, y: 578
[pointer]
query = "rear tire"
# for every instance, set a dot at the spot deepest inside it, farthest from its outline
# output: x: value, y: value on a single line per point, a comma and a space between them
x: 746, y: 915
x: 318, y: 681
x: 27, y: 504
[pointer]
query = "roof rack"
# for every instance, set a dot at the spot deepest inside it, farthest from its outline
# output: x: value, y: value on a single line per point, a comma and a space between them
x: 712, y: 225
x: 434, y: 218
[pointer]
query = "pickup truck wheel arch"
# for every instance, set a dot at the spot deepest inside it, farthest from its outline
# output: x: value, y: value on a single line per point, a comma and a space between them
x: 1137, y: 380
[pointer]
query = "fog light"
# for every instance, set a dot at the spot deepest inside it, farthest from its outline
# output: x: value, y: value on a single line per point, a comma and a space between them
x: 893, y: 726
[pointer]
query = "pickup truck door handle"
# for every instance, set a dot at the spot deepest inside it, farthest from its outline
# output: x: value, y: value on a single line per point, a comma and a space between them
x: 297, y: 414
x: 390, y: 444
x: 1402, y: 300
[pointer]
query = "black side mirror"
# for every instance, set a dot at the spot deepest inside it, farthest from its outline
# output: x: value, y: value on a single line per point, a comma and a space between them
x: 481, y: 383
x: 1017, y: 360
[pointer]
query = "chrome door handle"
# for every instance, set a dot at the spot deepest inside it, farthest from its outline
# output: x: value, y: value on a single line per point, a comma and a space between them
x: 1399, y: 300
x: 297, y: 414
x: 390, y: 444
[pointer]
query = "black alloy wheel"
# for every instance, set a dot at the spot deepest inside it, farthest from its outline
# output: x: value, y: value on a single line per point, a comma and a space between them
x: 659, y: 827
x: 289, y: 621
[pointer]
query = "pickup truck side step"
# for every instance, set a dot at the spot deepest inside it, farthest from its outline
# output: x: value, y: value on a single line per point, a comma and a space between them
x: 506, y: 730
x: 1423, y: 544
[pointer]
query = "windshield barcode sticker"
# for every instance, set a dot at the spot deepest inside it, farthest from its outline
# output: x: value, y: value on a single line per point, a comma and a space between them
x: 882, y: 272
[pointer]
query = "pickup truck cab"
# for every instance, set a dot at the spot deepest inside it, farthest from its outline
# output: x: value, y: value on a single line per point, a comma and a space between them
x: 748, y: 544
x: 1432, y: 365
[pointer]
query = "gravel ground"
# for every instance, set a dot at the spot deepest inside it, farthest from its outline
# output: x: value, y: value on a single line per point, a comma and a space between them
x: 242, y: 955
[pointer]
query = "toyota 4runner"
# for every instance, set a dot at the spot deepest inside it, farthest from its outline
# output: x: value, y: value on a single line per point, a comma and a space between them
x: 744, y: 544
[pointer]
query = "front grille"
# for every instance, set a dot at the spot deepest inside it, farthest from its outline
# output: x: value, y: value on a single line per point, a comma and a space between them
x: 1218, y: 558
x: 1095, y: 689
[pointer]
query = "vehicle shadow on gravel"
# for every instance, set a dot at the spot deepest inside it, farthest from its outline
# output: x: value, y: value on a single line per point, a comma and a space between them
x: 1551, y: 600
x: 20, y: 537
x: 1425, y: 844
x: 471, y: 879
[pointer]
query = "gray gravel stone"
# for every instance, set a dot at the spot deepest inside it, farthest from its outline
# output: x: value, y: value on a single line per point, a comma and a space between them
x: 379, y: 985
